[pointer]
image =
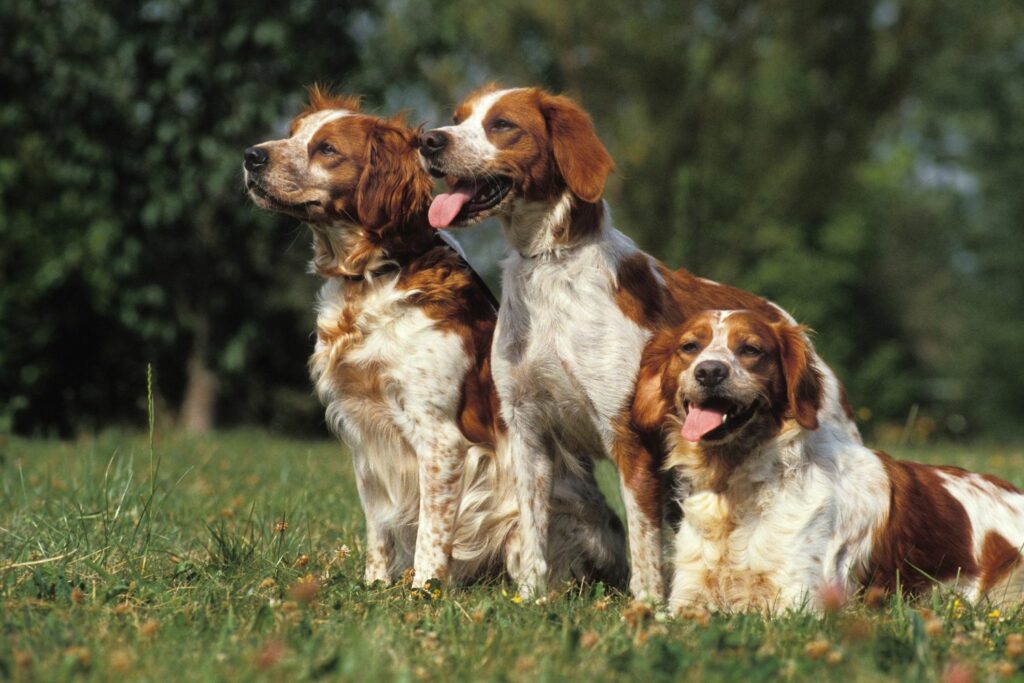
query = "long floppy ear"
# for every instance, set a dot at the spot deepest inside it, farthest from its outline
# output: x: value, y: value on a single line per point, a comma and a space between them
x: 803, y: 381
x: 582, y: 160
x: 656, y: 384
x: 392, y: 185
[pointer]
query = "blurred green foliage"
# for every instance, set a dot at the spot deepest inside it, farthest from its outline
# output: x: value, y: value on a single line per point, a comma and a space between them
x: 858, y: 162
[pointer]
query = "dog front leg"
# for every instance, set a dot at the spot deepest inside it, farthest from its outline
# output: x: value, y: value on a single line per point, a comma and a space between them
x: 642, y: 497
x: 440, y: 477
x: 532, y: 469
x: 379, y: 550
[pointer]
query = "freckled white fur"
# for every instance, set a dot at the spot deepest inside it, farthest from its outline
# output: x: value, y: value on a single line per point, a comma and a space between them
x: 798, y: 514
x: 423, y: 486
x: 802, y: 512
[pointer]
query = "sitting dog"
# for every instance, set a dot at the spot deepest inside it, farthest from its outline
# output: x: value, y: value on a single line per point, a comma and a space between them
x: 402, y: 361
x: 579, y: 303
x: 776, y: 510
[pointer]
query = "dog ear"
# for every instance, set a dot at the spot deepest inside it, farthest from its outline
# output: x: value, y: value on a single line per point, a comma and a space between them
x: 392, y: 184
x: 657, y: 382
x: 582, y: 160
x: 803, y: 381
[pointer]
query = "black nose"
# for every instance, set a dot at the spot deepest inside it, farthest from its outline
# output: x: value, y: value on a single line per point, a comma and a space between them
x: 256, y: 157
x: 711, y: 373
x: 432, y: 142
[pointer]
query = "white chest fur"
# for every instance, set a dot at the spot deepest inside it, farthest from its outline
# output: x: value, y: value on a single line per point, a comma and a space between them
x: 563, y: 345
x: 792, y: 518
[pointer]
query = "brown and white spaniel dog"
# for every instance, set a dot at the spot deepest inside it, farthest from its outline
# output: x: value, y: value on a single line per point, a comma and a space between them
x: 402, y: 364
x: 579, y: 302
x: 776, y: 510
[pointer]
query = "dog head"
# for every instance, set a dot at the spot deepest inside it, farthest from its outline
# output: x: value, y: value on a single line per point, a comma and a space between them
x: 338, y: 166
x: 507, y: 146
x: 733, y: 377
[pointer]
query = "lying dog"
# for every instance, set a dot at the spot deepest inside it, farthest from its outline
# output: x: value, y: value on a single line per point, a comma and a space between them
x: 401, y: 363
x: 579, y: 302
x: 775, y: 510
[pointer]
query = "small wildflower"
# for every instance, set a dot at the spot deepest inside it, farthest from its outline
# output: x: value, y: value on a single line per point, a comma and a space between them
x: 602, y: 604
x: 994, y: 614
x: 875, y: 597
x: 280, y: 526
x: 80, y: 656
x: 269, y: 655
x: 301, y: 561
x: 477, y: 615
x: 525, y: 664
x: 589, y: 639
x: 1004, y: 668
x: 341, y: 553
x: 1014, y: 645
x: 121, y: 660
x: 149, y: 629
x: 699, y: 615
x: 834, y: 657
x: 818, y: 648
x: 958, y: 672
x: 22, y: 659
x: 267, y: 583
x: 517, y: 599
x: 933, y: 627
x: 122, y: 608
x: 227, y: 513
x: 637, y: 612
x: 407, y: 576
x: 958, y: 608
x: 77, y: 596
x: 831, y: 597
x: 305, y: 589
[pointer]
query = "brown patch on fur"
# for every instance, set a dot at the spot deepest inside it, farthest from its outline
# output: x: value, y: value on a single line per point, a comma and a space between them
x: 638, y: 456
x: 998, y: 558
x: 465, y: 108
x: 926, y: 536
x: 640, y: 294
x: 321, y: 97
x: 450, y: 292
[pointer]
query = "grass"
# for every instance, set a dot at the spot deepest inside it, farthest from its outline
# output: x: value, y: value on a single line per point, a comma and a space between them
x: 239, y: 557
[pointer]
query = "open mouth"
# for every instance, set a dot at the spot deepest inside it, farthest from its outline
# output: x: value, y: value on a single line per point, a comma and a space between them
x: 466, y: 199
x: 715, y: 419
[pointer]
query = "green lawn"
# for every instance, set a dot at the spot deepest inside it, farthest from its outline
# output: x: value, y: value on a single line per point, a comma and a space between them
x: 242, y: 558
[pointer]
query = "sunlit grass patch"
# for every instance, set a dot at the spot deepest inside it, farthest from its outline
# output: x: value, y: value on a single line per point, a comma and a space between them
x: 247, y: 562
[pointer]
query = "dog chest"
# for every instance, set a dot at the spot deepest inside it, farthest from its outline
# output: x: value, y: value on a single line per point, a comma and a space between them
x: 562, y: 336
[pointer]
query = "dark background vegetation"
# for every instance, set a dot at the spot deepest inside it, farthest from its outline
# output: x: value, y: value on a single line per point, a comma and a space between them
x: 859, y: 162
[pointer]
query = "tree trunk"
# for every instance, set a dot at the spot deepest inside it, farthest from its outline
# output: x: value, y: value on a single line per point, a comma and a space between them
x: 199, y: 402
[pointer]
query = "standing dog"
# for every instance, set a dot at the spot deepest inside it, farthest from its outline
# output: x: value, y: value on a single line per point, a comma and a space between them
x: 579, y: 302
x: 775, y: 510
x: 402, y: 363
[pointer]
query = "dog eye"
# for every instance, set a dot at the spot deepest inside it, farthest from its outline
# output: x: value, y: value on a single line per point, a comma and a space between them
x: 327, y: 149
x: 502, y: 124
x: 750, y: 351
x: 690, y: 347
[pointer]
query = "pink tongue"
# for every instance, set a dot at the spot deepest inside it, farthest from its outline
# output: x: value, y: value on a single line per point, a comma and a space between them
x: 700, y: 421
x: 446, y: 206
